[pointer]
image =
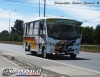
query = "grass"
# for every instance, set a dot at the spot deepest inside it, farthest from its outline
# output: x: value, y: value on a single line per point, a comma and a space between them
x: 89, y: 48
x: 12, y: 42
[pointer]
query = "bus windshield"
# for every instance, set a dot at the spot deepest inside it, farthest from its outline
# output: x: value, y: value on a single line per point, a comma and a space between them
x: 62, y: 29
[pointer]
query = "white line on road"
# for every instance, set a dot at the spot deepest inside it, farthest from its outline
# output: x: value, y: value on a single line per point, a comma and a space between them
x: 9, y: 61
x: 54, y: 61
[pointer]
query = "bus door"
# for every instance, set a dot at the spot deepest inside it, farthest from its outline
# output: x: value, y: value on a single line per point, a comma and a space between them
x: 42, y: 35
x: 24, y: 36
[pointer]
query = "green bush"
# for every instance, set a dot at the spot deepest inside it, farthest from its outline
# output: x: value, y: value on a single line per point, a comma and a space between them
x: 12, y: 37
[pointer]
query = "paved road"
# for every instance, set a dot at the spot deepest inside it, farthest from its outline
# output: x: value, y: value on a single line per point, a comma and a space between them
x: 85, y: 64
x: 6, y: 64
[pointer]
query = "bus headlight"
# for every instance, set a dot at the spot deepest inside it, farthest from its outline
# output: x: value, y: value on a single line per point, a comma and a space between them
x: 53, y: 53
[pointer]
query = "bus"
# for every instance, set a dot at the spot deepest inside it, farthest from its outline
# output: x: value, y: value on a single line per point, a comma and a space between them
x: 52, y: 36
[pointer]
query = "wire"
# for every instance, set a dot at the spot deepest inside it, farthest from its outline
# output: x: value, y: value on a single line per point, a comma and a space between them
x: 92, y: 19
x: 49, y: 5
x: 19, y: 1
x: 18, y: 5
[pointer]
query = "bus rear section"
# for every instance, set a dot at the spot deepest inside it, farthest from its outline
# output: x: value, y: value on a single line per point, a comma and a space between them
x: 34, y: 36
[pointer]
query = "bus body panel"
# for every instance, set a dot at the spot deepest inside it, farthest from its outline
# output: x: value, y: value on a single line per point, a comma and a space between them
x: 34, y: 42
x: 63, y: 46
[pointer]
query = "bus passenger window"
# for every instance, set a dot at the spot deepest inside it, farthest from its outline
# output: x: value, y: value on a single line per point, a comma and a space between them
x: 36, y: 28
x: 28, y: 26
x: 25, y: 29
x: 31, y: 29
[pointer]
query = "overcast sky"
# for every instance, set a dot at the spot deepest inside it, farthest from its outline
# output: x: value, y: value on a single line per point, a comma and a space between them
x: 82, y: 10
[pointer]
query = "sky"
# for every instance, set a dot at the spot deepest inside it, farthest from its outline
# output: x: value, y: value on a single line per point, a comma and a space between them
x: 85, y: 11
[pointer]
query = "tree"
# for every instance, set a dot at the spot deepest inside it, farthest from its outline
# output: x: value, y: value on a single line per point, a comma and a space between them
x: 16, y: 32
x: 97, y: 35
x: 5, y: 33
x: 87, y: 35
x: 18, y: 27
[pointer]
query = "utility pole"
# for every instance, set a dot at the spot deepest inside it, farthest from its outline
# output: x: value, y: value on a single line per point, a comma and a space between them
x: 39, y: 8
x: 44, y: 7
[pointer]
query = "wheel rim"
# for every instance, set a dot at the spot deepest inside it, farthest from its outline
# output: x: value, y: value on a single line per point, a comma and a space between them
x: 44, y: 53
x: 31, y: 52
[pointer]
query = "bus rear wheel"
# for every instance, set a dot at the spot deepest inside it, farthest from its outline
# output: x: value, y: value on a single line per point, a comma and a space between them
x: 32, y: 52
x: 73, y: 56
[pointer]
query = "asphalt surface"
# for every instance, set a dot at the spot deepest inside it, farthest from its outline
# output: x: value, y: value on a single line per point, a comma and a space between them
x: 85, y: 65
x: 6, y: 64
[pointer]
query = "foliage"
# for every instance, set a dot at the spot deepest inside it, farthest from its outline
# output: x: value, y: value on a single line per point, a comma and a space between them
x: 90, y: 35
x: 12, y: 37
x: 97, y: 35
x: 16, y: 33
x: 87, y: 35
x: 4, y: 33
x: 18, y: 27
x: 89, y: 48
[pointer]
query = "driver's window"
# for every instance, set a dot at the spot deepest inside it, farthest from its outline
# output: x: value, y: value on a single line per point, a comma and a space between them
x: 41, y: 27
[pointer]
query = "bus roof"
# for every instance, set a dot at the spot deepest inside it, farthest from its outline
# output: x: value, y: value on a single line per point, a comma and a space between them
x: 40, y: 18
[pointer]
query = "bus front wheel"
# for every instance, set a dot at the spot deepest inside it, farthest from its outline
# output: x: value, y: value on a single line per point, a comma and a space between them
x: 33, y: 53
x: 73, y: 56
x: 44, y: 53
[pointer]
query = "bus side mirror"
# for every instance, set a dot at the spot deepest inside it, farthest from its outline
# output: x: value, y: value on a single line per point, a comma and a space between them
x: 79, y: 23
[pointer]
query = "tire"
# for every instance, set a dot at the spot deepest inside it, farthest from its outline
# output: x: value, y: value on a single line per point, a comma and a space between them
x: 27, y: 49
x: 44, y: 54
x: 32, y: 52
x: 73, y: 56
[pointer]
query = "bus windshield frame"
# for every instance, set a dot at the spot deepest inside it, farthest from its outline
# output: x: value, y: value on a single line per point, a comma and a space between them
x: 62, y: 29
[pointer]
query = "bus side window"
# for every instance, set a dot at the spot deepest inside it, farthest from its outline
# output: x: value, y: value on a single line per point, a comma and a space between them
x: 24, y: 25
x: 28, y: 26
x: 31, y: 29
x: 36, y: 28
